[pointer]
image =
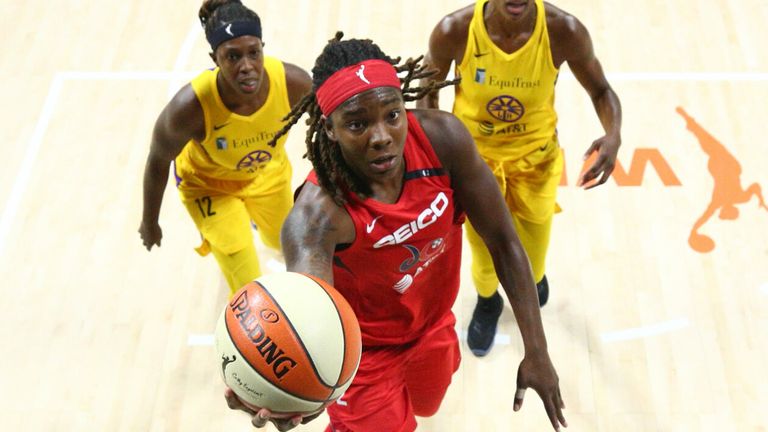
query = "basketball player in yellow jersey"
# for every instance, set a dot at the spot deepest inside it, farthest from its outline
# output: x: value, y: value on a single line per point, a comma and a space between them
x: 217, y: 129
x: 508, y: 54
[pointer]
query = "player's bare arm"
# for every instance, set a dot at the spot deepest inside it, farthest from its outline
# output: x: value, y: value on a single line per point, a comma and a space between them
x: 446, y: 45
x: 313, y: 229
x: 298, y: 81
x: 488, y: 214
x: 571, y: 43
x: 181, y: 120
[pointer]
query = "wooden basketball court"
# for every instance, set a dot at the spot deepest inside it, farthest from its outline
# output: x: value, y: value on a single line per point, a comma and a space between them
x: 648, y: 331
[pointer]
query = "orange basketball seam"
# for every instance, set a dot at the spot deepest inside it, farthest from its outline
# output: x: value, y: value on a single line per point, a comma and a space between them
x: 344, y: 339
x: 299, y: 340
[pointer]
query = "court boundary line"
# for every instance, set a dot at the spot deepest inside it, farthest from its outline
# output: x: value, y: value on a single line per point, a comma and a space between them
x: 645, y: 331
x: 183, y: 57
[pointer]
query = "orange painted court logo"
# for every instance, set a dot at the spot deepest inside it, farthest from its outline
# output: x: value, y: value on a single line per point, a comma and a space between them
x: 727, y: 192
x: 723, y: 166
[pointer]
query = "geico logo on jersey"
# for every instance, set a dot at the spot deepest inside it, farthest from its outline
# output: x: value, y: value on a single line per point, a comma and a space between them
x: 426, y: 218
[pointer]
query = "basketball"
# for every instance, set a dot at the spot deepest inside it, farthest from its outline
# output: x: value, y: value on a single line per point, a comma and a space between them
x: 288, y: 342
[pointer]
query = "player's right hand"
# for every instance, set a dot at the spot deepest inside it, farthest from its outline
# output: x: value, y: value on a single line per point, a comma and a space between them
x: 151, y: 234
x: 536, y: 371
x: 260, y: 417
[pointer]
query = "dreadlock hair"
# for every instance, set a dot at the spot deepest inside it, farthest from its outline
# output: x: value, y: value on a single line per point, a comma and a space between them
x: 333, y: 173
x: 215, y: 13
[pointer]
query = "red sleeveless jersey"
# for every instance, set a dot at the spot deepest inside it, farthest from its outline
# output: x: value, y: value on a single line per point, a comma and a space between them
x: 401, y: 274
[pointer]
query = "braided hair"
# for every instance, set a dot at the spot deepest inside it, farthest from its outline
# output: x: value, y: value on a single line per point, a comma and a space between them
x: 333, y: 173
x: 215, y: 13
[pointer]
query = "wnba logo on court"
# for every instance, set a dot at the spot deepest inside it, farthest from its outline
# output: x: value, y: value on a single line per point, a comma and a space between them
x: 727, y: 192
x: 724, y: 168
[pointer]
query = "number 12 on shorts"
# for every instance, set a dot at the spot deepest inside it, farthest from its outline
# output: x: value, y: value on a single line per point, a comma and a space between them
x: 205, y: 205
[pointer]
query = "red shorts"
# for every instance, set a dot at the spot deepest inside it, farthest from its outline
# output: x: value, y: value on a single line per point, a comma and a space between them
x: 395, y: 384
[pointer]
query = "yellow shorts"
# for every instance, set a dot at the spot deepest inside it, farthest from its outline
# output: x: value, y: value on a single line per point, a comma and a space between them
x: 223, y: 209
x: 529, y: 187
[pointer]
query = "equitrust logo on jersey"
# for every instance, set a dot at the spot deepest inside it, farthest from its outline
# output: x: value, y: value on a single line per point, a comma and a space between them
x: 722, y: 165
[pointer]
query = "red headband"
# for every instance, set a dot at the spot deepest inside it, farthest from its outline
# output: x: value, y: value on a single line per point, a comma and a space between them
x: 355, y: 79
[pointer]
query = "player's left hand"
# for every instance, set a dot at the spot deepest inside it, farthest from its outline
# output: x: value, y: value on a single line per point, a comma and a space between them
x: 260, y: 417
x: 607, y: 148
x: 536, y: 371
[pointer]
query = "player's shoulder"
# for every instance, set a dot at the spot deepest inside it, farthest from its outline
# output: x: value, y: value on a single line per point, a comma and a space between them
x: 447, y: 134
x: 455, y: 25
x: 298, y: 81
x: 561, y: 24
x: 185, y: 108
x: 295, y: 74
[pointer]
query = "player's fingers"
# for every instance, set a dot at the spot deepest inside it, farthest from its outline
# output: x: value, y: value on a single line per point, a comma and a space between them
x: 549, y: 406
x: 260, y: 419
x: 287, y: 424
x: 602, y: 180
x: 593, y: 148
x: 559, y: 396
x: 309, y: 418
x: 519, y: 395
x: 560, y: 416
x: 593, y: 171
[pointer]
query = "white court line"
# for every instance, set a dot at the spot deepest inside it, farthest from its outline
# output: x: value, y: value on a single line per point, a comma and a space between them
x: 200, y: 340
x: 500, y: 339
x: 121, y: 76
x: 11, y: 207
x: 183, y: 57
x: 645, y: 331
x: 680, y: 76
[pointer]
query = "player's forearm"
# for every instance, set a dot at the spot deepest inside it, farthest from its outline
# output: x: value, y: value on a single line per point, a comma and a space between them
x: 155, y: 179
x: 608, y: 109
x: 514, y: 272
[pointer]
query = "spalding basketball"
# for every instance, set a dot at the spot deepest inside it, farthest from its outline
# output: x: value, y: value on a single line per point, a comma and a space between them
x: 288, y: 342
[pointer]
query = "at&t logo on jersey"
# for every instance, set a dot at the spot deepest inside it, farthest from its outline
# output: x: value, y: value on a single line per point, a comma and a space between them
x: 426, y: 218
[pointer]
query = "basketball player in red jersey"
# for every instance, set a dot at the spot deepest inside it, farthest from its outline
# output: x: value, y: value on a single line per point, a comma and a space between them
x: 380, y: 218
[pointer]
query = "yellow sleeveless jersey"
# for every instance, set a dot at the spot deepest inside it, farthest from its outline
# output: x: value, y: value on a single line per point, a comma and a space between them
x: 507, y: 100
x: 235, y: 146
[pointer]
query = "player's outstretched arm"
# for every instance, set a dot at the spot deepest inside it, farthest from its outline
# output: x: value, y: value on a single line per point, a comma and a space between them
x: 580, y: 56
x: 477, y: 192
x: 180, y: 121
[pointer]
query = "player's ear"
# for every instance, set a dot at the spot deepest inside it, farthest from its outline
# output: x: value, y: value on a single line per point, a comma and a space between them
x: 328, y: 128
x: 213, y: 57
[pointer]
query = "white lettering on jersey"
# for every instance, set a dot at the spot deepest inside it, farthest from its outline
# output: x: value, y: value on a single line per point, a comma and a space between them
x: 426, y: 218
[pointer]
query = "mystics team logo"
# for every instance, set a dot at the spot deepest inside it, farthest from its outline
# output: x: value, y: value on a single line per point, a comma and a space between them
x: 254, y: 160
x: 727, y: 192
x: 505, y: 108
